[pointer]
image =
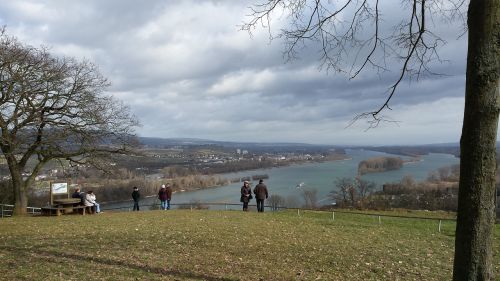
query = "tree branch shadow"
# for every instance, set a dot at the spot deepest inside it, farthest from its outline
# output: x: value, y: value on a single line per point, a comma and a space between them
x: 111, y: 262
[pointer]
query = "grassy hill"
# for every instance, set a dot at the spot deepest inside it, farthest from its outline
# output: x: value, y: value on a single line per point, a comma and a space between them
x: 227, y: 245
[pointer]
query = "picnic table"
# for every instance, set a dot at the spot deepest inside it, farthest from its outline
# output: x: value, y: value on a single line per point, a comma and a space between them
x: 64, y: 206
x: 67, y: 201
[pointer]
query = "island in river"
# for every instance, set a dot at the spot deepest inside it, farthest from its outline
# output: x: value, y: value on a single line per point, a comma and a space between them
x: 379, y: 164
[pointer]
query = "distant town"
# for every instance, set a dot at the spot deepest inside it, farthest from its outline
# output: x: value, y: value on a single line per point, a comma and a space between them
x: 194, y: 156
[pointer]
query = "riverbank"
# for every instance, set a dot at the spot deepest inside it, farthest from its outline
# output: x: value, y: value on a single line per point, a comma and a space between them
x: 318, y: 176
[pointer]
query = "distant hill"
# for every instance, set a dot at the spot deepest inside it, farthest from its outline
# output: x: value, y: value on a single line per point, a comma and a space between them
x: 147, y: 141
x: 448, y: 148
x: 253, y: 146
x: 417, y: 150
x: 195, y: 141
x: 410, y: 150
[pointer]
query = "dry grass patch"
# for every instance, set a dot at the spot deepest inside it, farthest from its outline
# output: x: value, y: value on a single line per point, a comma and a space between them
x: 226, y: 245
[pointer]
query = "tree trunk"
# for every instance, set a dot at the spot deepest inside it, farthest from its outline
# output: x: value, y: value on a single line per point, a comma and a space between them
x: 19, y: 188
x: 476, y: 198
x: 20, y: 199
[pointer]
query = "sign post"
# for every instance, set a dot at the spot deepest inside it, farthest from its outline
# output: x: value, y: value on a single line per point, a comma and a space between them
x: 57, y: 189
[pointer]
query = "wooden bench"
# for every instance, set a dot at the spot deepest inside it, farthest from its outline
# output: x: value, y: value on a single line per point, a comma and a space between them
x: 84, y: 209
x: 49, y: 211
x: 59, y: 210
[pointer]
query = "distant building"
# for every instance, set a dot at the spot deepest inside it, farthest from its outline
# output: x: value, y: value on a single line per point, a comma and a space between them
x: 238, y: 151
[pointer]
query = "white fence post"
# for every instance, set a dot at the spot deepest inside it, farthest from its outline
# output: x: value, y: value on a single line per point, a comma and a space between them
x: 333, y: 216
x: 439, y: 227
x: 379, y: 220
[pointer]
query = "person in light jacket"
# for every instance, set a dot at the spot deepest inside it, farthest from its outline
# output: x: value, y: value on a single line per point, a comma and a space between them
x: 90, y: 201
x: 261, y: 194
x: 136, y: 196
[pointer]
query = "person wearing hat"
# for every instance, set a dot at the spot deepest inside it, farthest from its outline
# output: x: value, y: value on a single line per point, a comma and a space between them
x: 261, y: 194
x: 246, y: 195
x: 136, y: 195
x: 162, y: 195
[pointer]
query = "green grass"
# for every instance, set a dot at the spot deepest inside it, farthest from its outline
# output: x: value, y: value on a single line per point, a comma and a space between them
x: 227, y: 245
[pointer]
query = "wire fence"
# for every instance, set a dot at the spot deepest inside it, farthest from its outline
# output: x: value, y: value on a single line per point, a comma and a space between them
x: 300, y: 211
x: 189, y: 205
x: 6, y: 210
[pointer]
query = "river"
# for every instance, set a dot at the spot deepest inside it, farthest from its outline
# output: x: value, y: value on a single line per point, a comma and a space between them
x: 320, y: 176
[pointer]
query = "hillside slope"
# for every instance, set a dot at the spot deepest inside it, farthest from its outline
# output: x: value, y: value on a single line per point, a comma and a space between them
x: 227, y: 245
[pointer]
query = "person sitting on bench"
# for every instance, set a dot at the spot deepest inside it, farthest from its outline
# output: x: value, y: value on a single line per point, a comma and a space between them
x: 90, y: 201
x: 78, y: 195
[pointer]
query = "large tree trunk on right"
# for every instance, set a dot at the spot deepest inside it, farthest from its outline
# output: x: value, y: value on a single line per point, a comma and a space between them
x: 476, y: 199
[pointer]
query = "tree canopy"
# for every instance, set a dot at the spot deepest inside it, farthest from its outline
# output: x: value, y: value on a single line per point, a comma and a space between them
x: 55, y: 108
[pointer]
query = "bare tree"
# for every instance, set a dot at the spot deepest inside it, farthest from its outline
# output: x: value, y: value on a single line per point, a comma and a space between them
x: 444, y: 173
x: 350, y: 39
x: 276, y: 201
x: 292, y: 201
x: 310, y: 197
x: 408, y: 182
x: 455, y: 172
x: 55, y: 109
x: 364, y: 188
x: 433, y: 176
x: 353, y: 195
x: 341, y: 193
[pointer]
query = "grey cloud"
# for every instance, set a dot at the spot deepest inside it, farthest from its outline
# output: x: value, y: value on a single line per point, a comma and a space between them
x: 187, y: 71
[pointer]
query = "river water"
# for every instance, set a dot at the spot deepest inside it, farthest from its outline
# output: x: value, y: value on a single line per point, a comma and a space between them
x: 320, y: 176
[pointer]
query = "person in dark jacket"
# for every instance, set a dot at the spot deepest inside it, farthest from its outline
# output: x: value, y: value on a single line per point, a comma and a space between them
x: 169, y: 195
x: 261, y: 194
x: 136, y: 195
x: 246, y: 195
x: 162, y: 195
x: 78, y: 195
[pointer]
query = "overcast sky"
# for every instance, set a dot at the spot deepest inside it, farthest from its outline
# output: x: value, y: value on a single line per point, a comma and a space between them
x: 186, y: 70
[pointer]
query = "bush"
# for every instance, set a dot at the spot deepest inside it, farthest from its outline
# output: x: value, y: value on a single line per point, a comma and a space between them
x: 276, y: 201
x: 195, y: 204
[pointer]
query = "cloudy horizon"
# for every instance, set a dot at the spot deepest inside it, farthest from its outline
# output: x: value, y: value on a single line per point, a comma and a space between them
x: 187, y: 71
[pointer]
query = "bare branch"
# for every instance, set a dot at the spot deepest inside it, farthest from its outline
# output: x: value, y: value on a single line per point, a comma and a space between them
x: 54, y: 108
x: 337, y: 27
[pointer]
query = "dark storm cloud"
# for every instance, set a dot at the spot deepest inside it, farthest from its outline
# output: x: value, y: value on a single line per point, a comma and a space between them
x: 187, y: 71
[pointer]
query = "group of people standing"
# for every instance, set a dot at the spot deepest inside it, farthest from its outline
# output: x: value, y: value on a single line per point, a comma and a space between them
x: 88, y: 198
x: 164, y: 194
x: 260, y: 192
